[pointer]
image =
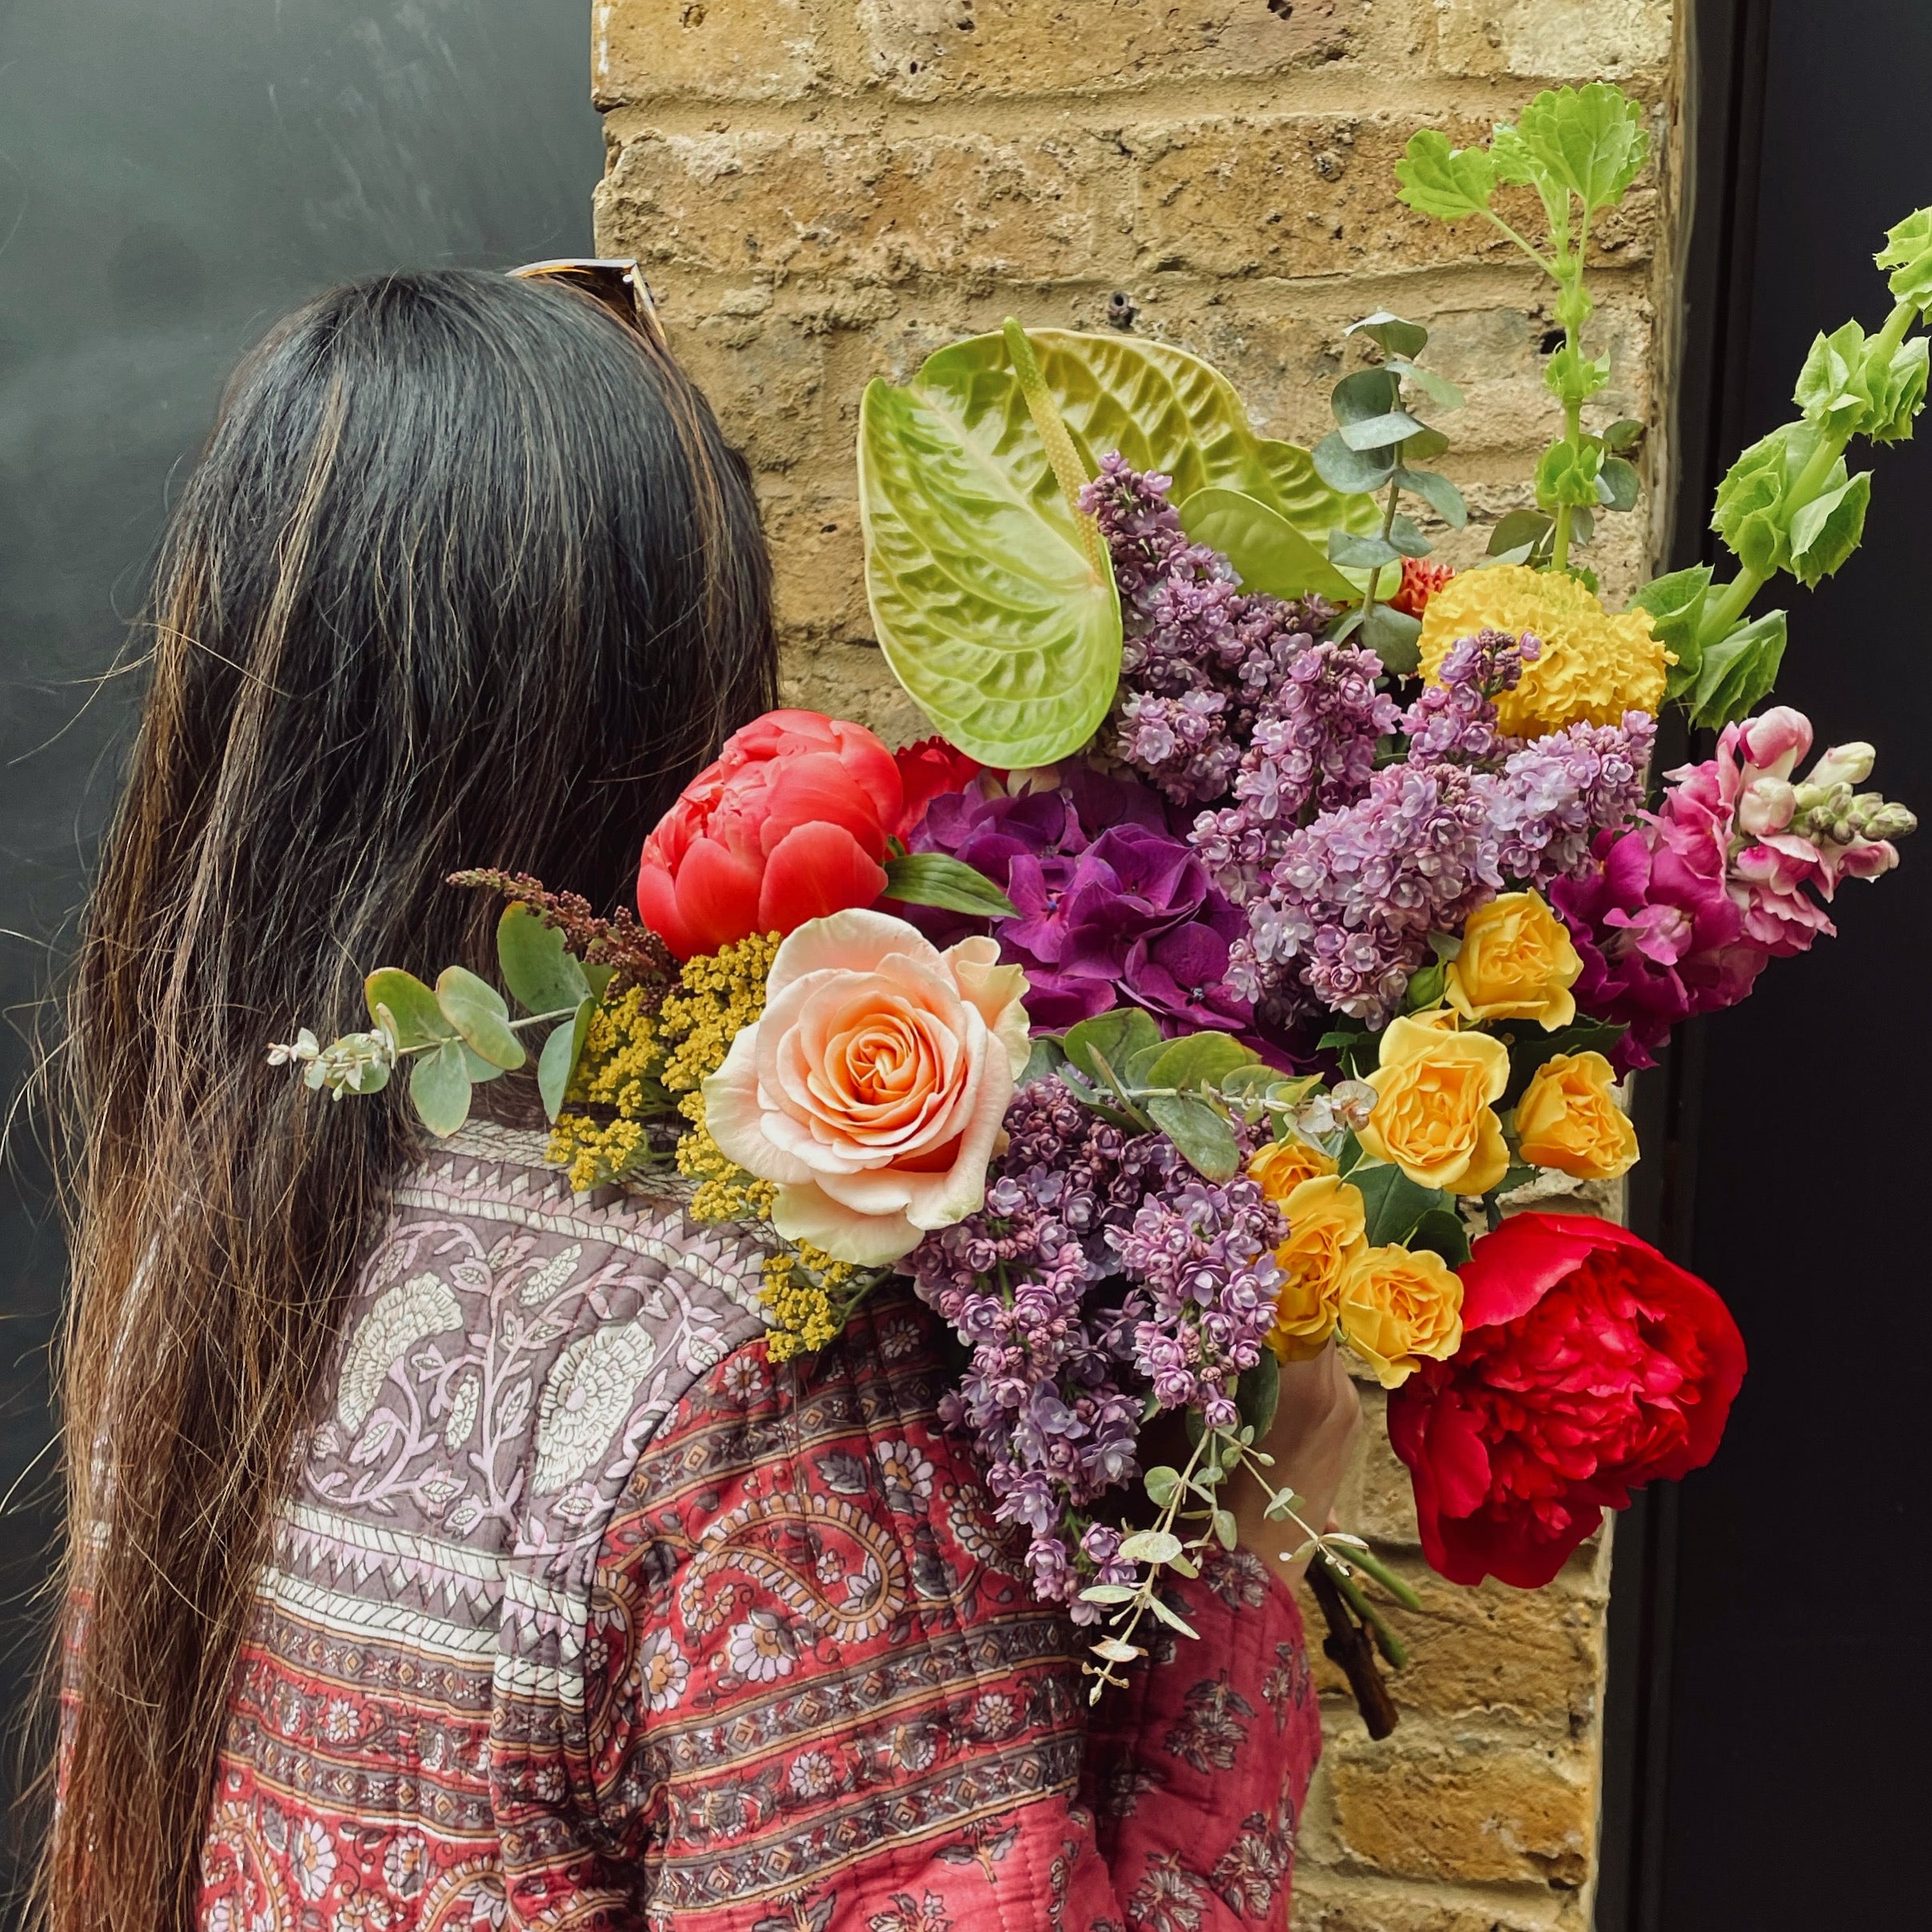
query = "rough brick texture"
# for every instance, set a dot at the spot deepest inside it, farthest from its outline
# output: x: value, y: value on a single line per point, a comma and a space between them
x: 824, y: 190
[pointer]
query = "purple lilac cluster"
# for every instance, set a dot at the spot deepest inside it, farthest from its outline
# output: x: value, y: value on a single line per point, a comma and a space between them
x: 1556, y: 794
x: 1205, y: 1254
x: 1357, y: 892
x: 1314, y: 740
x: 1064, y: 1348
x: 1455, y: 718
x: 1202, y: 660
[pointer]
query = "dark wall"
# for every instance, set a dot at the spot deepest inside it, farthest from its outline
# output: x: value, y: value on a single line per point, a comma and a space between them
x: 1769, y: 1684
x: 174, y: 174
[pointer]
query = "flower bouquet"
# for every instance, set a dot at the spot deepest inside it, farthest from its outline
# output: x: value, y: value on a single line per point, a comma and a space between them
x: 1275, y: 912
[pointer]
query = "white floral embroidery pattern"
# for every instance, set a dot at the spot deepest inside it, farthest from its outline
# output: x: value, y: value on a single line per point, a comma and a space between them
x: 397, y: 1319
x: 462, y: 1413
x: 312, y: 1858
x: 663, y: 1671
x: 907, y: 1475
x: 589, y: 1392
x: 542, y: 1283
x: 761, y: 1649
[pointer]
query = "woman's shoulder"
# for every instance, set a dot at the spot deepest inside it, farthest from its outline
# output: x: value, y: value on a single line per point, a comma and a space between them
x: 512, y: 1347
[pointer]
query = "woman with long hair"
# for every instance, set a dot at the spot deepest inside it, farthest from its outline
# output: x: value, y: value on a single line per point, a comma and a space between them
x: 444, y: 1548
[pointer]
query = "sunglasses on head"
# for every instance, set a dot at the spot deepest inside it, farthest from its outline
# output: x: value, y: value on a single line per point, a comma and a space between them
x: 616, y: 285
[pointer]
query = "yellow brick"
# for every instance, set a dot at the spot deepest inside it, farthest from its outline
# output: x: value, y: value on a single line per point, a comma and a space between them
x: 866, y: 210
x: 732, y: 50
x: 1475, y: 1814
x: 850, y: 681
x: 928, y: 49
x: 1332, y: 1902
x: 1564, y: 40
x: 819, y: 564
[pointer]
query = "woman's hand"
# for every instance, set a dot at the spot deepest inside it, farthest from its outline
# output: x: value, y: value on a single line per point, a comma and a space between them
x: 1313, y: 1433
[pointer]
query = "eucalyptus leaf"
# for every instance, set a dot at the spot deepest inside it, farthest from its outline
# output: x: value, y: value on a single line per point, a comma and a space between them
x: 537, y: 965
x: 1439, y: 389
x: 1395, y: 638
x: 935, y: 878
x: 1395, y: 337
x: 1623, y: 435
x: 1439, y: 493
x: 561, y: 1052
x: 439, y: 1087
x: 1204, y: 1139
x: 413, y: 1014
x: 1367, y: 553
x: 1617, y: 484
x: 1520, y: 527
x: 480, y: 1071
x: 477, y: 1010
x: 1392, y: 1203
x: 1268, y: 553
x: 1259, y: 1393
x: 1425, y: 447
x: 1344, y: 468
x: 1406, y: 534
x: 598, y: 976
x: 1045, y: 1059
x: 1367, y: 394
x: 1380, y: 432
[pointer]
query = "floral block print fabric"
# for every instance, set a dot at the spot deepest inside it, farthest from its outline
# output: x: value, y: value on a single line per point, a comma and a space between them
x: 581, y: 1614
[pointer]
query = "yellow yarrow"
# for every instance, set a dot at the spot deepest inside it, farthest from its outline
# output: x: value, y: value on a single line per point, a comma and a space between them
x: 799, y: 1285
x: 719, y: 993
x: 1593, y: 667
x: 725, y: 1192
x: 596, y: 1154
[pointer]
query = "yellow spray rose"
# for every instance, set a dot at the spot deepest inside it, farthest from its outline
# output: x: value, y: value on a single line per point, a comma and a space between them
x: 1397, y: 1305
x: 1516, y: 963
x: 1593, y: 667
x: 1327, y: 1227
x: 1569, y: 1119
x: 1434, y: 1114
x: 1281, y: 1166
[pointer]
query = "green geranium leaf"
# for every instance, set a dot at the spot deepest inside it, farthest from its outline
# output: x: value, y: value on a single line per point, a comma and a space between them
x: 1439, y: 493
x: 1268, y: 553
x: 1344, y: 468
x: 985, y: 594
x: 1738, y: 671
x: 414, y: 1014
x: 1591, y: 141
x: 1392, y: 1203
x: 537, y: 967
x: 1908, y: 254
x: 1676, y: 605
x: 439, y: 1087
x: 1441, y: 1231
x: 561, y: 1052
x: 1114, y: 1037
x: 476, y: 1009
x: 1395, y: 638
x: 1617, y: 484
x: 1396, y: 337
x: 1206, y: 1141
x: 933, y: 878
x: 1826, y: 531
x: 1198, y: 1060
x: 1447, y: 182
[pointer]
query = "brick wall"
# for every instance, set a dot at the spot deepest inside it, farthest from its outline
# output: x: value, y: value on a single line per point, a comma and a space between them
x: 824, y: 190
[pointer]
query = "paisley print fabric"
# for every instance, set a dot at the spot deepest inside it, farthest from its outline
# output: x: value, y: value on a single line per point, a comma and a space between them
x: 581, y: 1614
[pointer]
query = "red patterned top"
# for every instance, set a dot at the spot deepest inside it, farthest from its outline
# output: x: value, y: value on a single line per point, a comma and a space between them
x: 582, y: 1614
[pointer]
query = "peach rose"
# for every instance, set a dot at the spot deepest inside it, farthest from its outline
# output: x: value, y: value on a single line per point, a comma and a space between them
x: 1569, y: 1119
x: 1434, y: 1115
x: 1281, y: 1166
x: 1326, y: 1229
x: 1397, y: 1306
x: 1516, y: 963
x: 872, y: 1090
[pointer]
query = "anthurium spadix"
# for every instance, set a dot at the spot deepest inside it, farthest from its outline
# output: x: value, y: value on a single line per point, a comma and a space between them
x: 991, y: 595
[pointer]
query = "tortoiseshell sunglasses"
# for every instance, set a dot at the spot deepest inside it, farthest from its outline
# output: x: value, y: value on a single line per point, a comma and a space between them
x: 616, y: 285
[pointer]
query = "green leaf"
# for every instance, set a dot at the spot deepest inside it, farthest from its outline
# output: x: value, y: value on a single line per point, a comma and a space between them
x: 1369, y: 553
x: 561, y: 1052
x: 1424, y: 446
x: 439, y: 1087
x: 1406, y: 534
x: 1160, y: 1482
x: 1446, y: 181
x: 480, y: 1071
x: 1344, y: 468
x: 1830, y: 391
x: 1826, y: 531
x: 1044, y: 1062
x: 1204, y: 1139
x: 1425, y: 988
x: 1364, y: 395
x: 1623, y: 435
x: 599, y: 978
x: 1268, y: 553
x: 1908, y: 254
x: 1172, y: 1619
x: 412, y: 1011
x: 1439, y: 493
x: 1395, y: 638
x: 933, y: 879
x: 1198, y: 1060
x: 1591, y: 141
x: 477, y: 1010
x: 1393, y: 1203
x: 1676, y: 604
x: 1518, y: 528
x: 1439, y: 389
x: 1738, y: 670
x: 1107, y: 1593
x: 1259, y: 1393
x: 1112, y: 1036
x: 1227, y: 1532
x: 1380, y: 432
x: 1395, y: 337
x: 1531, y: 1048
x: 1150, y: 1547
x: 537, y: 968
x: 1444, y: 1232
x: 1617, y: 484
x: 1572, y: 377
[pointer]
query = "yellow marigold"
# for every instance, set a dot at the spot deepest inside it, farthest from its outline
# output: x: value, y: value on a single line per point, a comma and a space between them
x: 1593, y: 667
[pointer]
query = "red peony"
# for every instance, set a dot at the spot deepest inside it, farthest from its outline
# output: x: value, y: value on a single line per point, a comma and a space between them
x: 929, y: 770
x: 1590, y: 1365
x: 789, y: 824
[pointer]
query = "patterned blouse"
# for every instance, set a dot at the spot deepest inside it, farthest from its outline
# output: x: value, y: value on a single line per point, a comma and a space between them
x: 582, y: 1614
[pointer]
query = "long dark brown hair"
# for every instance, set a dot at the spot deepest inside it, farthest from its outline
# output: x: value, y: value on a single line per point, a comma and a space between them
x: 467, y: 577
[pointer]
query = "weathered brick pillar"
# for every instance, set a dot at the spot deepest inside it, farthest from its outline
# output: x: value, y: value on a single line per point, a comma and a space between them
x: 825, y: 190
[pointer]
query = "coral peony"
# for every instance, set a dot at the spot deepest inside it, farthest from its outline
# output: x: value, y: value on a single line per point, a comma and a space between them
x: 789, y: 824
x: 1590, y: 1365
x: 929, y: 769
x: 871, y: 1090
